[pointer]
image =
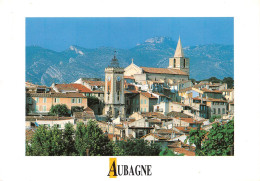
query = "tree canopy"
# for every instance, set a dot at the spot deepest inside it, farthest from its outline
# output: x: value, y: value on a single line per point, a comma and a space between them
x: 219, y: 141
x: 51, y: 141
x: 136, y: 147
x: 59, y: 110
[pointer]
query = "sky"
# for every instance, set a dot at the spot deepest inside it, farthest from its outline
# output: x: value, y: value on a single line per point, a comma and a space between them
x: 60, y: 33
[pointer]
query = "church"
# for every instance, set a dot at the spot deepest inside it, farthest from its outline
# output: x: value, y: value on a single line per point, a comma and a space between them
x: 177, y: 71
x: 114, y: 93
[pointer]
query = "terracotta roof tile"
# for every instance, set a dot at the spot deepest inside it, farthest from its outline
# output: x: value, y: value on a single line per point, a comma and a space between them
x: 129, y: 77
x: 95, y: 83
x: 157, y: 136
x: 80, y: 87
x: 148, y: 95
x: 163, y: 71
x: 184, y: 151
x: 58, y: 95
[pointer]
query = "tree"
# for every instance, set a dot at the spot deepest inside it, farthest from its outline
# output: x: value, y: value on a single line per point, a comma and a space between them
x: 45, y: 142
x: 68, y: 139
x: 214, y: 80
x: 220, y: 140
x: 229, y: 81
x: 195, y: 137
x: 59, y: 110
x: 214, y: 117
x: 92, y: 137
x: 136, y: 147
x: 92, y: 100
x: 77, y: 109
x: 167, y: 152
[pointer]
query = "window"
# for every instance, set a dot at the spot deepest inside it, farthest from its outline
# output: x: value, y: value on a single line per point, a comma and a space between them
x: 145, y: 101
x: 118, y: 96
x: 219, y: 111
x: 141, y: 101
x: 37, y: 99
x: 58, y: 125
x: 214, y: 111
x: 134, y: 101
x: 56, y: 100
x: 174, y: 63
x: 44, y: 109
x: 73, y: 100
x: 98, y: 94
x: 36, y: 108
x: 223, y: 111
x: 79, y: 100
x: 44, y: 100
x: 141, y: 109
x: 144, y: 109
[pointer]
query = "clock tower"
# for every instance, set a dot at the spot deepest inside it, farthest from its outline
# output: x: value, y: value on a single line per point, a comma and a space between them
x: 114, y: 90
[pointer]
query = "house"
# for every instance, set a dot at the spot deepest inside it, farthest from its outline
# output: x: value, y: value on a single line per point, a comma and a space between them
x: 41, y: 103
x: 95, y: 85
x: 87, y: 114
x: 66, y: 88
x: 216, y: 107
x: 147, y: 100
x: 49, y: 121
x: 166, y: 107
x: 228, y: 94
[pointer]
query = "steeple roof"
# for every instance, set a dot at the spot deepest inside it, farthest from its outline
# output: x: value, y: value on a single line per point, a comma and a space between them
x: 179, y: 50
x: 114, y: 62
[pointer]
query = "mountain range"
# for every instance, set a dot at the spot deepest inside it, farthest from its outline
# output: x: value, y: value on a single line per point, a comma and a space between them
x: 44, y: 66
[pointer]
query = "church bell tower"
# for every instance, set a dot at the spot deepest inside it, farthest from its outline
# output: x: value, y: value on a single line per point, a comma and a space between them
x: 179, y: 61
x: 114, y: 89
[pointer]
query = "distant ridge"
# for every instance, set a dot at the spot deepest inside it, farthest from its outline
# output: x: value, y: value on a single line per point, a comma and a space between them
x: 44, y: 66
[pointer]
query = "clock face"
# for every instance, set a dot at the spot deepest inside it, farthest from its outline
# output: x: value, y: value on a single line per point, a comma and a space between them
x: 118, y: 78
x: 108, y: 78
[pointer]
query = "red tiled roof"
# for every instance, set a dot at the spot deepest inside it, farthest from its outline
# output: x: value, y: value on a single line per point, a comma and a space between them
x: 184, y: 151
x: 188, y: 120
x: 214, y: 91
x: 154, y: 114
x: 148, y: 95
x: 74, y: 86
x: 155, y: 135
x: 129, y: 77
x: 227, y: 90
x: 95, y: 83
x: 214, y: 100
x: 186, y: 89
x: 163, y: 71
x: 58, y: 95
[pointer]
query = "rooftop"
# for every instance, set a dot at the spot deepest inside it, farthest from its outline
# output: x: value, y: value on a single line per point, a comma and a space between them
x: 58, y: 95
x: 163, y: 71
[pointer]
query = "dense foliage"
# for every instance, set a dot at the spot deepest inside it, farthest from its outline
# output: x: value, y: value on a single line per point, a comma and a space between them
x: 214, y: 117
x: 219, y: 141
x: 229, y: 81
x: 59, y: 110
x: 92, y: 101
x: 136, y: 147
x: 46, y: 142
x: 54, y: 142
x: 91, y: 137
x: 77, y: 109
x: 168, y: 152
